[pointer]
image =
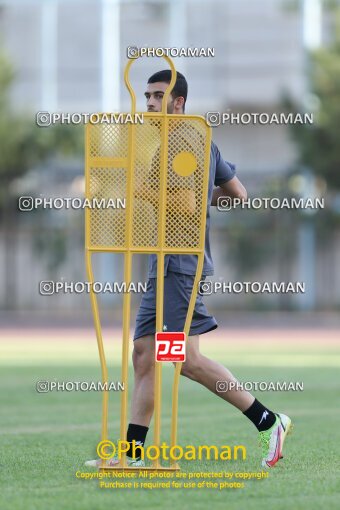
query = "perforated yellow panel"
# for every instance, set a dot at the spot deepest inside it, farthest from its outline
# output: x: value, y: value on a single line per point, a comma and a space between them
x: 146, y: 197
x: 108, y: 140
x: 138, y: 183
x: 185, y: 183
x: 108, y: 224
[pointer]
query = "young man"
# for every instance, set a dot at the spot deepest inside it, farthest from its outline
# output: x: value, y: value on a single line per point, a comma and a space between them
x: 178, y: 283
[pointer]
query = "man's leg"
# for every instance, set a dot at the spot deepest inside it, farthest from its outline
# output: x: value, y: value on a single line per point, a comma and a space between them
x: 272, y: 427
x: 142, y: 402
x: 207, y: 372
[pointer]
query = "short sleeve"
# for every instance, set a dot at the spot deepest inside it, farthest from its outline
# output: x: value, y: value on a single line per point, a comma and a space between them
x: 225, y: 171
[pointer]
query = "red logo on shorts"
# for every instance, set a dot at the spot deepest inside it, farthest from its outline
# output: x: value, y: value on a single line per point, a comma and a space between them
x: 170, y: 346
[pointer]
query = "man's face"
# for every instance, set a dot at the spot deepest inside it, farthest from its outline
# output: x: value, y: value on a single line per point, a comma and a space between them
x: 154, y: 96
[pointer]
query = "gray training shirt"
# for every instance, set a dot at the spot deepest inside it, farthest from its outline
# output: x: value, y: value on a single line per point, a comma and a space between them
x: 220, y: 171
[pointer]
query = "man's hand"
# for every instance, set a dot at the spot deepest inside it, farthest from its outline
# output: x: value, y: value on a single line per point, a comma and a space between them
x: 233, y: 189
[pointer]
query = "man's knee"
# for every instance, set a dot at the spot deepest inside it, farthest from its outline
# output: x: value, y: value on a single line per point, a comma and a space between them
x: 190, y: 367
x: 143, y: 355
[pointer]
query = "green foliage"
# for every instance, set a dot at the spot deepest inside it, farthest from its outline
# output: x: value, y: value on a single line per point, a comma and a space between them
x: 22, y: 143
x: 6, y: 77
x: 318, y: 144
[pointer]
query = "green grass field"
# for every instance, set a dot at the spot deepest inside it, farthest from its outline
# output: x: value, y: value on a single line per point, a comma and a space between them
x: 45, y: 438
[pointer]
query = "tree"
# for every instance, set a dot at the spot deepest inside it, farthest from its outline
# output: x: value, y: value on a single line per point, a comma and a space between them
x: 22, y: 145
x: 318, y: 144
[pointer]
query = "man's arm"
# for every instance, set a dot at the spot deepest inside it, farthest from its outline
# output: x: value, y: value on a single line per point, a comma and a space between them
x: 182, y: 201
x: 233, y: 189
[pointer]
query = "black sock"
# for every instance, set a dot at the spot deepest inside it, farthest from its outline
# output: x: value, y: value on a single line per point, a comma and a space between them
x: 262, y: 417
x: 137, y: 433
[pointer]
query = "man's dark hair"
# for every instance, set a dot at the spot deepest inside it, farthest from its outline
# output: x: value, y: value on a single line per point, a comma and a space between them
x: 181, y: 86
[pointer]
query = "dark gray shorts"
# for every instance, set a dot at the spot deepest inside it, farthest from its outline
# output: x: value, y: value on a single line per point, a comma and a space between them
x: 177, y: 292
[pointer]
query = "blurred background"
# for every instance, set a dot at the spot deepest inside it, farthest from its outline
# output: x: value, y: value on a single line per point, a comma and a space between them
x: 270, y: 56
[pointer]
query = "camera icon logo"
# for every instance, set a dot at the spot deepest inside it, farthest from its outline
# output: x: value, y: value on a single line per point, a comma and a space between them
x: 26, y: 203
x: 46, y: 288
x: 42, y: 386
x: 213, y: 119
x: 224, y: 204
x: 205, y: 288
x: 221, y: 386
x: 132, y: 52
x: 43, y: 119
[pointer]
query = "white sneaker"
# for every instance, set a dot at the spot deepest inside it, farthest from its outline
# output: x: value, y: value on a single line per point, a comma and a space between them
x: 272, y: 440
x: 97, y: 463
